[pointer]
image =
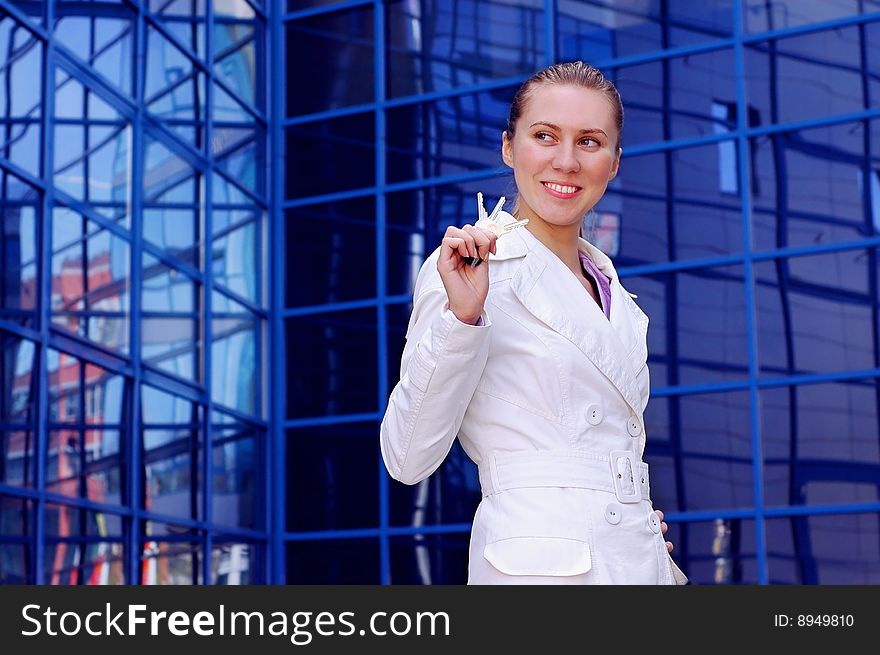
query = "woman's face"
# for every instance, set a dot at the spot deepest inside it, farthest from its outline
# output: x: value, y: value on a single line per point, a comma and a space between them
x: 564, y: 152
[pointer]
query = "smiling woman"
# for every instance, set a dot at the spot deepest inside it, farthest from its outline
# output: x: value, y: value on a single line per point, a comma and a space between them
x: 537, y: 362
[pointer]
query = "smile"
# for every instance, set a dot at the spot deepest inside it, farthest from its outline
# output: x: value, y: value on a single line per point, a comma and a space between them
x: 561, y: 190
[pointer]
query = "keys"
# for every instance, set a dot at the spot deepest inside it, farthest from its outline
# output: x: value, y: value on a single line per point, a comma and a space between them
x: 490, y: 222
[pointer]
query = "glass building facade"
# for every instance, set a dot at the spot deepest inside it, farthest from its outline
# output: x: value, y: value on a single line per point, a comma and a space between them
x: 213, y: 212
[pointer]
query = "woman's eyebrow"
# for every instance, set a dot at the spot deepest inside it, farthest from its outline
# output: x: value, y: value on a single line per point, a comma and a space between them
x: 554, y: 126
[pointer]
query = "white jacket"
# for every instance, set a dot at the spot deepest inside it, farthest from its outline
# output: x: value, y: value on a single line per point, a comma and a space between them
x: 547, y: 397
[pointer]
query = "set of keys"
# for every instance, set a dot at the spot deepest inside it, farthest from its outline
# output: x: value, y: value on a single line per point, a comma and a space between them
x: 490, y: 222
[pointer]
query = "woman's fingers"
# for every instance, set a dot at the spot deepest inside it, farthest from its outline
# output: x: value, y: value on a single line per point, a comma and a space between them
x: 470, y: 241
x: 457, y: 245
x: 663, y: 528
x: 483, y: 240
x: 669, y: 546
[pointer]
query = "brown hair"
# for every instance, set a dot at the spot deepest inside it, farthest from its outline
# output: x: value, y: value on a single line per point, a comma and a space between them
x: 575, y: 73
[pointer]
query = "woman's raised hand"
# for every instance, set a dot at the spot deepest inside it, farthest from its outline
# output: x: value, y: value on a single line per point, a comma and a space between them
x: 466, y: 286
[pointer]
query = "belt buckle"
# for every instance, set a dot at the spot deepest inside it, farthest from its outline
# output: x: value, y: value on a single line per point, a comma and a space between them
x: 622, y: 479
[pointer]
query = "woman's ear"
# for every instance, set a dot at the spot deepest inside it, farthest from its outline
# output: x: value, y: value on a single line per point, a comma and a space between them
x: 506, y: 149
x: 615, y: 166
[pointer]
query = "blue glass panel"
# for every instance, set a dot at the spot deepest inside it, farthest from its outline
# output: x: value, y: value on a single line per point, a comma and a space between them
x: 185, y: 19
x: 174, y: 89
x: 783, y: 14
x: 699, y: 451
x: 33, y: 9
x: 820, y: 443
x: 90, y: 280
x: 104, y: 40
x: 233, y: 9
x: 20, y: 110
x: 237, y: 475
x: 19, y: 209
x: 333, y: 363
x: 332, y: 477
x: 805, y: 77
x: 339, y: 50
x: 430, y: 559
x: 236, y: 563
x: 333, y: 252
x: 72, y: 556
x: 17, y: 411
x: 236, y: 369
x: 446, y: 137
x: 234, y: 254
x: 239, y: 55
x: 171, y: 555
x: 674, y: 98
x: 697, y: 333
x: 817, y: 314
x: 808, y: 187
x: 338, y: 561
x: 341, y: 156
x: 832, y: 550
x: 85, y: 463
x: 16, y: 550
x: 244, y: 159
x: 602, y: 29
x: 440, y: 46
x: 170, y: 302
x: 671, y: 206
x: 65, y: 387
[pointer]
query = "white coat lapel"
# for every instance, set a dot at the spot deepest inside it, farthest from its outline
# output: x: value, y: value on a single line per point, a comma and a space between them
x: 552, y: 294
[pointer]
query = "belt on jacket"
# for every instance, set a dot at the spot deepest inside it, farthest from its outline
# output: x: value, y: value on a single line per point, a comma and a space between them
x: 619, y: 472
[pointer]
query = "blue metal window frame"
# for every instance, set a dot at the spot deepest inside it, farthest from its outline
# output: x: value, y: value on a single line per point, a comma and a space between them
x: 748, y: 259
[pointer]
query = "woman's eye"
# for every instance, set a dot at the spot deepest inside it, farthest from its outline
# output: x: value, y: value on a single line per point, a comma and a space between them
x: 542, y: 136
x: 590, y: 142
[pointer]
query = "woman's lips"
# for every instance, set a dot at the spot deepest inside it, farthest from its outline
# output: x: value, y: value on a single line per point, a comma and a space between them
x: 561, y: 190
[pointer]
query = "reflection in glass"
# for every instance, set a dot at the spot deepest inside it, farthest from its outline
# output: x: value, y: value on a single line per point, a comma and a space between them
x: 235, y: 249
x: 16, y: 549
x: 335, y: 251
x: 426, y: 559
x: 75, y: 552
x: 237, y: 470
x: 335, y: 354
x: 19, y: 208
x: 20, y: 94
x: 174, y: 89
x: 172, y: 450
x: 17, y: 411
x: 820, y: 443
x: 330, y: 485
x: 170, y: 306
x: 235, y: 564
x: 818, y: 313
x: 442, y: 46
x: 171, y: 555
x: 338, y: 561
x: 90, y: 284
x: 103, y: 38
x: 339, y: 47
x: 185, y: 20
x: 235, y: 359
x: 238, y: 52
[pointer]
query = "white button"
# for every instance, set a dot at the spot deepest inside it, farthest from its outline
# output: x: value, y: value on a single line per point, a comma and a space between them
x: 634, y: 426
x: 594, y: 414
x: 654, y: 522
x: 613, y: 513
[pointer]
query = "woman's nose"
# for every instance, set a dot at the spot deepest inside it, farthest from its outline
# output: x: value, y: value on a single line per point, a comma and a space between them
x: 566, y: 160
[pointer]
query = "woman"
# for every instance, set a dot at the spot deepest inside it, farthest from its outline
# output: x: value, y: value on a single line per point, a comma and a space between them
x: 537, y: 361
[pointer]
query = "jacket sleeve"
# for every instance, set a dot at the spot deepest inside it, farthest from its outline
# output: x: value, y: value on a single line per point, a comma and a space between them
x: 441, y: 366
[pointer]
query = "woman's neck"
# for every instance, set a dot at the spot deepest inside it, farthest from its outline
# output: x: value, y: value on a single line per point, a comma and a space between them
x: 561, y: 240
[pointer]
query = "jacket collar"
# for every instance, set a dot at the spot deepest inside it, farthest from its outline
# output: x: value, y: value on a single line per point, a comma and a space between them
x: 549, y: 290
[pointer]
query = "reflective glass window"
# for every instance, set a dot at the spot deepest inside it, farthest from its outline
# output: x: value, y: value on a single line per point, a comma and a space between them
x: 339, y: 48
x: 782, y: 14
x: 91, y: 294
x: 170, y: 304
x: 19, y: 212
x: 18, y: 406
x: 817, y: 313
x: 101, y: 33
x: 83, y: 547
x: 236, y: 253
x: 333, y: 252
x: 336, y: 561
x: 238, y: 470
x: 185, y: 19
x: 442, y: 46
x: 21, y: 63
x: 331, y: 155
x: 171, y: 555
x: 17, y: 521
x: 236, y: 359
x: 427, y: 559
x: 238, y: 50
x: 331, y: 477
x: 333, y: 355
x: 236, y: 563
x: 172, y: 451
x: 719, y: 552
